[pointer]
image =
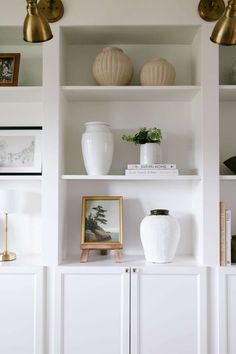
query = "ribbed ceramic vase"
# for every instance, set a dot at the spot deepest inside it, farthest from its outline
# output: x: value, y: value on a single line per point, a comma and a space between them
x: 150, y: 153
x: 157, y: 72
x: 97, y: 148
x: 112, y: 67
x: 160, y: 234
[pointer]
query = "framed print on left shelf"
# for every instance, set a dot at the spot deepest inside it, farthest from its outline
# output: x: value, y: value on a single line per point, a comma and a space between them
x: 9, y: 69
x: 20, y: 150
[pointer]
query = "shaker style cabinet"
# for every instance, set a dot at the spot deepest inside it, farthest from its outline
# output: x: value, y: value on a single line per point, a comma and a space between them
x: 227, y: 310
x: 22, y: 310
x: 92, y: 309
x: 131, y: 310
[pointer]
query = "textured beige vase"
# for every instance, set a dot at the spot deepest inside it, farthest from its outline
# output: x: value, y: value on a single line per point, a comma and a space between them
x: 112, y: 67
x: 157, y: 72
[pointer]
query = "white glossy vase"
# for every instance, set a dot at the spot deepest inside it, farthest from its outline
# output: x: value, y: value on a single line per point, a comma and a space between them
x: 160, y: 234
x: 97, y: 148
x: 157, y: 72
x: 112, y: 67
x: 150, y: 153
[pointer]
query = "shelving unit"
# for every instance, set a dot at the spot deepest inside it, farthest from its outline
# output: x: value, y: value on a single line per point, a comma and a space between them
x: 197, y: 117
x: 22, y: 105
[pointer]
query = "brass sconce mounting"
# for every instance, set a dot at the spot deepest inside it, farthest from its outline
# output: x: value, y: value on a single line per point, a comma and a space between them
x: 211, y: 10
x: 53, y: 10
x: 36, y: 28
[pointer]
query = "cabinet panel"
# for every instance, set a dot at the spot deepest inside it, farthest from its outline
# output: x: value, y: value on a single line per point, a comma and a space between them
x: 227, y: 310
x: 21, y: 304
x: 93, y: 311
x: 168, y: 312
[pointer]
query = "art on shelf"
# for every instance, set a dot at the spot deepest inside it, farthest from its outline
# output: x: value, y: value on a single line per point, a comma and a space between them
x: 9, y: 69
x: 101, y: 226
x: 20, y: 150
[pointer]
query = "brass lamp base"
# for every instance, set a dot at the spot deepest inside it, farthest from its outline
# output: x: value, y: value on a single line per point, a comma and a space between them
x: 53, y: 10
x: 7, y: 256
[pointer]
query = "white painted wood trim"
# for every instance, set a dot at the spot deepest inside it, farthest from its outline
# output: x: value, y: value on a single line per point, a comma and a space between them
x: 201, y: 277
x: 223, y: 275
x: 61, y: 272
x: 39, y: 302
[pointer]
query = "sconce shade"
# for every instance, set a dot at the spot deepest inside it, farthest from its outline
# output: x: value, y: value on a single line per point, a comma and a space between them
x: 225, y: 29
x: 36, y: 28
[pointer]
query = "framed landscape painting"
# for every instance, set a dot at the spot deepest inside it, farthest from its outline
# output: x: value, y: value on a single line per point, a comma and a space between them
x: 20, y: 150
x: 9, y: 69
x: 101, y: 222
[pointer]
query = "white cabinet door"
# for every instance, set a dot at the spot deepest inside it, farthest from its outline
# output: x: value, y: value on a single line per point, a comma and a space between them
x: 168, y: 310
x: 21, y: 310
x: 227, y: 310
x: 92, y: 310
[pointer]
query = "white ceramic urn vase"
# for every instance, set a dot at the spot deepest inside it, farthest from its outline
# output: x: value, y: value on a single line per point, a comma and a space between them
x: 112, y: 67
x: 157, y: 72
x: 150, y: 153
x: 97, y: 148
x: 160, y: 234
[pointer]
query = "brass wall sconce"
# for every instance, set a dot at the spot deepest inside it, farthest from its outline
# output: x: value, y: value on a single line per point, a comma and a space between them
x: 36, y: 27
x: 224, y: 32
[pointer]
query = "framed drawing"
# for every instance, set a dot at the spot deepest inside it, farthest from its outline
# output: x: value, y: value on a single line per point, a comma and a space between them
x: 9, y: 69
x: 20, y: 150
x: 101, y: 226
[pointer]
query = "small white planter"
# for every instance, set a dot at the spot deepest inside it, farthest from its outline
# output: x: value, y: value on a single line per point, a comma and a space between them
x: 150, y: 153
x: 97, y: 148
x: 160, y: 234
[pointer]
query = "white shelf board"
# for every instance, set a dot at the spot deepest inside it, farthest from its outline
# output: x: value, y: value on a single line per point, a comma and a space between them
x: 20, y: 178
x: 228, y: 177
x: 130, y: 93
x: 21, y: 94
x: 131, y: 178
x: 227, y: 92
x: 23, y: 261
x: 128, y: 261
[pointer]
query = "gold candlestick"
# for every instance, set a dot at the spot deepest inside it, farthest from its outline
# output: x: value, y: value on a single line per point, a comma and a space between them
x: 6, y: 255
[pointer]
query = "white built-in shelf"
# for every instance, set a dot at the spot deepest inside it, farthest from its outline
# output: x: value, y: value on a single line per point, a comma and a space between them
x: 24, y: 261
x: 228, y: 93
x: 131, y: 178
x: 228, y: 177
x: 21, y: 94
x: 128, y: 261
x: 130, y: 93
x: 20, y: 178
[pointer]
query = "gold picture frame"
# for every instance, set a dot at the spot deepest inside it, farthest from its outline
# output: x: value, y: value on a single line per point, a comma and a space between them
x: 101, y: 225
x: 9, y: 69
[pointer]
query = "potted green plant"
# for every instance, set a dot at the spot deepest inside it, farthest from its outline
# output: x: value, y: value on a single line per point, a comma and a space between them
x: 149, y: 140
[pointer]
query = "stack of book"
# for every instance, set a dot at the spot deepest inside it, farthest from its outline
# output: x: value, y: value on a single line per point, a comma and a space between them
x: 225, y: 235
x: 165, y: 169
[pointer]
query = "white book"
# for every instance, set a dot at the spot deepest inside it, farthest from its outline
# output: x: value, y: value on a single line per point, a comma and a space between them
x: 228, y: 235
x: 158, y: 166
x: 170, y: 172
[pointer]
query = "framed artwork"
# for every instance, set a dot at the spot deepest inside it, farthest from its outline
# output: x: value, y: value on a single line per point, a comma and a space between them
x: 20, y: 150
x: 101, y: 226
x: 9, y: 69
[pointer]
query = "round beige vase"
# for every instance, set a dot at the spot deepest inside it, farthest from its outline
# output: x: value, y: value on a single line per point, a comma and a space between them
x: 112, y: 67
x: 157, y: 72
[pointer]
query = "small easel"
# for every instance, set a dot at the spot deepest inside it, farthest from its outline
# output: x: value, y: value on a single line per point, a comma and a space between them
x: 103, y: 248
